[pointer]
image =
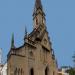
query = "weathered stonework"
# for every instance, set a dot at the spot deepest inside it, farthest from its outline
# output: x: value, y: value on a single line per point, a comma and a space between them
x: 35, y: 56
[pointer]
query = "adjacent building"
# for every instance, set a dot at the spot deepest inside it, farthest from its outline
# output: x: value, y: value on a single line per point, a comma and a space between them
x: 35, y: 56
x: 3, y: 70
x: 63, y: 71
x: 1, y: 66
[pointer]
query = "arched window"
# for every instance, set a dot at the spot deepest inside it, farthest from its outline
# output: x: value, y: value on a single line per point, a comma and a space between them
x: 36, y: 21
x: 46, y: 71
x: 19, y: 71
x: 31, y: 71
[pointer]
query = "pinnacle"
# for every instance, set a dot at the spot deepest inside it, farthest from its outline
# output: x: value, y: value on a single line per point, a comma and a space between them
x: 12, y: 41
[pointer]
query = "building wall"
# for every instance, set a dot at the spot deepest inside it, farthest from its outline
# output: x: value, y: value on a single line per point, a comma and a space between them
x: 28, y: 57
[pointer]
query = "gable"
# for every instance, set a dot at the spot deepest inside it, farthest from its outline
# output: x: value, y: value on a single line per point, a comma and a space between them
x: 46, y: 42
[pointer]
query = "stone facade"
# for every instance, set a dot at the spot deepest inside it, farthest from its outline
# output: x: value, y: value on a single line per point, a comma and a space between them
x: 35, y: 56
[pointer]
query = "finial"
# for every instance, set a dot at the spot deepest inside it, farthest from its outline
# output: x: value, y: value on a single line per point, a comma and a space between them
x: 25, y: 31
x: 53, y: 56
x: 25, y: 37
x: 12, y: 41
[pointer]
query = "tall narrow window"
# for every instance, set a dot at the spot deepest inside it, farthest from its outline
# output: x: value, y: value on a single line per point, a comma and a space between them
x: 53, y: 73
x: 15, y: 72
x: 19, y: 71
x: 46, y: 71
x: 32, y: 72
x: 36, y: 21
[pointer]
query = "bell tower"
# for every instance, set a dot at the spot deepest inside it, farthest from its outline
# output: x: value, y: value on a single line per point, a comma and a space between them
x: 38, y: 15
x: 35, y: 56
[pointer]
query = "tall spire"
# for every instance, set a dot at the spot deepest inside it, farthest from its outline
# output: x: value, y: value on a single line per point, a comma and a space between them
x: 38, y: 14
x: 12, y: 41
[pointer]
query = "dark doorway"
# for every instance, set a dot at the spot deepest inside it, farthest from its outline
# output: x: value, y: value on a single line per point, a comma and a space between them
x: 46, y: 71
x: 32, y: 72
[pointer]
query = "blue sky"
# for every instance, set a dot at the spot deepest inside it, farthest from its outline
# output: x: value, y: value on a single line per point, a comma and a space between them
x: 60, y: 22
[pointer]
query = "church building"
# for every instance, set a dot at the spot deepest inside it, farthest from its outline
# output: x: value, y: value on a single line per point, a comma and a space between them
x: 35, y: 56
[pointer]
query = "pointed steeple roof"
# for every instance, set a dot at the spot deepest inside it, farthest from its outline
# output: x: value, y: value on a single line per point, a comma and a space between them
x: 25, y: 35
x: 38, y: 4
